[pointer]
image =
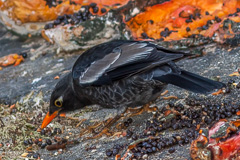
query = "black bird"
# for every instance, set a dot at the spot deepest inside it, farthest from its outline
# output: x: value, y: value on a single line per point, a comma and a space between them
x: 121, y: 74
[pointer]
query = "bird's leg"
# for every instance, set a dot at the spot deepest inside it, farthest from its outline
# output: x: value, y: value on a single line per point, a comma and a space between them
x: 121, y: 113
x: 167, y: 98
x: 138, y: 111
x: 90, y: 129
x: 164, y: 93
x: 63, y: 115
x: 108, y: 124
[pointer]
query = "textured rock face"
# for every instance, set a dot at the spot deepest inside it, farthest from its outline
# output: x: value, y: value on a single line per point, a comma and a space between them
x: 37, y: 74
x: 209, y: 21
x: 72, y: 26
x: 97, y: 29
x: 32, y: 82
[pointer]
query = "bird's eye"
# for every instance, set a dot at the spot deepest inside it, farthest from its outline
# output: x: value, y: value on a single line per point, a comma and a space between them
x: 58, y: 103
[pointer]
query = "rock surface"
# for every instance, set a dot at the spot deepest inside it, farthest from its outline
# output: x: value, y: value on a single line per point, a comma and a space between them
x: 44, y: 62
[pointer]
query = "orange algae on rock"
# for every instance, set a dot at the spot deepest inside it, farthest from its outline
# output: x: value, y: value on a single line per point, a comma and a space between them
x: 38, y: 11
x: 183, y: 18
x: 11, y: 59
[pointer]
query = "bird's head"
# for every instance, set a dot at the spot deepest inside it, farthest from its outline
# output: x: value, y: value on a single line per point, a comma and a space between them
x: 63, y: 99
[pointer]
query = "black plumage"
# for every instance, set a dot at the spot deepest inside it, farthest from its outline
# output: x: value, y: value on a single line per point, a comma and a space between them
x: 121, y: 74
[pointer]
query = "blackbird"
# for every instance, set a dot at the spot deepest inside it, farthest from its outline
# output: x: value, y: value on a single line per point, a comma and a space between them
x: 121, y: 74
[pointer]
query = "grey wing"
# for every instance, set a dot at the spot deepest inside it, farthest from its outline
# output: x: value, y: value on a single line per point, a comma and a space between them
x: 124, y: 60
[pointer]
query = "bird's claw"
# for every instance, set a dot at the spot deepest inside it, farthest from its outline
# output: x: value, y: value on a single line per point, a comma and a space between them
x: 106, y: 125
x: 138, y: 111
x: 104, y: 130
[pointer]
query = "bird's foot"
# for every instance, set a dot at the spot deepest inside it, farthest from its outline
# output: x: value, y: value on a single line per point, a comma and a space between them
x: 220, y: 91
x: 138, y: 111
x: 164, y: 93
x: 105, y: 130
x: 90, y: 129
x: 63, y: 115
x: 168, y: 97
x: 130, y: 112
x: 102, y: 132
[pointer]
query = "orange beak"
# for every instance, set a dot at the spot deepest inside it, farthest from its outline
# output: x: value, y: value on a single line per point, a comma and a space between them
x: 48, y: 118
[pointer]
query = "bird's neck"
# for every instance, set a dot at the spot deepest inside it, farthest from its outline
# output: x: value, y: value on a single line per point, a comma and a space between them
x: 80, y: 98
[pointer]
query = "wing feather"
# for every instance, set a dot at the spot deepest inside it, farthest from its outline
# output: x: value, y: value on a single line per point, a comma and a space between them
x: 97, y: 68
x: 132, y: 52
x: 117, y: 60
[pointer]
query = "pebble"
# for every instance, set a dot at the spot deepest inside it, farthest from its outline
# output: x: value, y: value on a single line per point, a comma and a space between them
x: 49, y: 142
x: 115, y: 152
x: 42, y: 132
x: 76, y: 18
x: 35, y: 155
x: 25, y: 142
x: 144, y: 35
x: 188, y: 29
x: 43, y: 145
x: 30, y: 141
x: 129, y: 120
x: 145, y: 156
x: 103, y: 10
x: 24, y: 154
x: 109, y: 153
x: 171, y: 150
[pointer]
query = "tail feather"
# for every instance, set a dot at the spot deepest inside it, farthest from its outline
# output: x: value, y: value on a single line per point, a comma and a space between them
x: 191, y: 82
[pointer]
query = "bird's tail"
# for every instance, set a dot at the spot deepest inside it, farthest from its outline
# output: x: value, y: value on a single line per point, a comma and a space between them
x: 191, y: 82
